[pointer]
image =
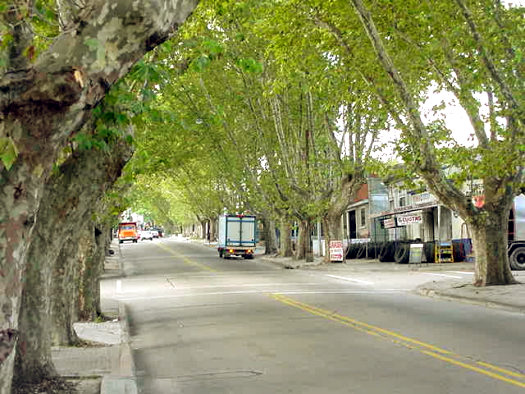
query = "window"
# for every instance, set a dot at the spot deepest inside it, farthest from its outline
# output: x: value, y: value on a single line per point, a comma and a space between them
x: 363, y: 217
x: 402, y: 201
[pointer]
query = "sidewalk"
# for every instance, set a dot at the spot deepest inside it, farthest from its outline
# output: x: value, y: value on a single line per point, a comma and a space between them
x: 106, y: 366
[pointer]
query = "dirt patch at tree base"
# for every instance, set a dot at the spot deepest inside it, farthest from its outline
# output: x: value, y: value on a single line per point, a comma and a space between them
x: 63, y: 385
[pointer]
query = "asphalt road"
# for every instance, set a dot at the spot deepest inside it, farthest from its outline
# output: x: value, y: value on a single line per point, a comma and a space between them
x: 200, y: 324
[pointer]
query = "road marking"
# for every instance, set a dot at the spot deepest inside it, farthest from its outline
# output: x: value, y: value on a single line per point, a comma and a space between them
x: 185, y: 259
x: 414, y: 344
x: 443, y: 275
x: 364, y: 282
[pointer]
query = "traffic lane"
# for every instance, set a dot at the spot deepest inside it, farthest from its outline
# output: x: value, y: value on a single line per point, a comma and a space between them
x: 470, y: 334
x: 208, y: 255
x: 255, y: 343
x: 466, y: 328
x: 165, y: 256
x: 148, y: 258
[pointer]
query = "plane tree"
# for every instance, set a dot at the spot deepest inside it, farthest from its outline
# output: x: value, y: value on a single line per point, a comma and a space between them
x: 47, y: 93
x: 279, y: 113
x: 471, y: 49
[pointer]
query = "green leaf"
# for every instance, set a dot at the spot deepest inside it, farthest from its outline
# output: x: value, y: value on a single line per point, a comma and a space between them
x: 8, y: 152
x: 92, y: 43
x: 200, y: 63
x: 250, y: 65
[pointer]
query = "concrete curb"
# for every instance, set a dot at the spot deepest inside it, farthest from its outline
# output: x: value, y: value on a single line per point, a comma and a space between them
x: 288, y: 263
x: 433, y: 293
x: 122, y: 379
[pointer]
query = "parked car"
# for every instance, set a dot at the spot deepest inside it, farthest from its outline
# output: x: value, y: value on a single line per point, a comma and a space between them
x: 146, y: 234
x: 154, y: 233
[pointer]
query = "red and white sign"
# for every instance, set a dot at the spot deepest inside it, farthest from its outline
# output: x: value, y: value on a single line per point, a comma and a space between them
x: 389, y: 223
x: 409, y: 218
x: 336, y: 251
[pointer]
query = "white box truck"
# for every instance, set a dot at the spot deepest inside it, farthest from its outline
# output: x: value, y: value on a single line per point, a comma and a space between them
x: 516, y: 234
x: 237, y: 236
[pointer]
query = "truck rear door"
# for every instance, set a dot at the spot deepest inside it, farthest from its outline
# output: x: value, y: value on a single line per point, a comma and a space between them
x: 241, y: 231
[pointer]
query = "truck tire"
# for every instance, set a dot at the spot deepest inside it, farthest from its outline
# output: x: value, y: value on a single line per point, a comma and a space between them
x: 352, y: 251
x: 517, y: 258
x: 386, y: 254
x: 373, y: 250
x: 361, y: 252
x: 402, y: 253
x: 429, y: 251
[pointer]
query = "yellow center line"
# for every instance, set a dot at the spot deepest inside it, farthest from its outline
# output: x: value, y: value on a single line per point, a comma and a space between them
x: 411, y: 343
x: 475, y: 369
x: 502, y: 370
x: 185, y: 259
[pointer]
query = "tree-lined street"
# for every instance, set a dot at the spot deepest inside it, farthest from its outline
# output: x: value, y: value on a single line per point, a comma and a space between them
x: 200, y: 324
x: 325, y: 119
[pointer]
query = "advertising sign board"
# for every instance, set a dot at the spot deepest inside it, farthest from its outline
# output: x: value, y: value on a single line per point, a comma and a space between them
x: 389, y: 223
x: 416, y: 253
x: 409, y: 218
x: 336, y: 251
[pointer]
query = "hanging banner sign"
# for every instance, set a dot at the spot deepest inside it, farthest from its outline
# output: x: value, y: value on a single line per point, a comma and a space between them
x: 336, y: 251
x: 409, y: 218
x: 389, y: 223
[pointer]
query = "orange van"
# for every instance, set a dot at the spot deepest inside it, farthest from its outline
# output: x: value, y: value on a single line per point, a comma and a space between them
x: 127, y: 231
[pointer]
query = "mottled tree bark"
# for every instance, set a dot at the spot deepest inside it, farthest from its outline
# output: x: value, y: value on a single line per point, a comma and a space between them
x: 489, y: 242
x: 69, y: 195
x: 304, y: 242
x: 286, y: 249
x: 88, y: 307
x: 213, y: 229
x: 44, y: 103
x: 270, y: 239
x: 63, y: 308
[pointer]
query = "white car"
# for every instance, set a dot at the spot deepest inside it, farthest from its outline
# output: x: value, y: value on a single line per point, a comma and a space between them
x: 146, y: 234
x: 154, y: 233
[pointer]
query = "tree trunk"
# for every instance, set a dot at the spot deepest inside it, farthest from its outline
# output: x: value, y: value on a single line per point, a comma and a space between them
x: 203, y: 224
x: 33, y: 361
x: 270, y: 239
x: 213, y: 230
x: 87, y: 305
x: 304, y: 242
x: 63, y: 309
x: 489, y: 241
x: 333, y: 232
x: 286, y: 249
x: 71, y: 192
